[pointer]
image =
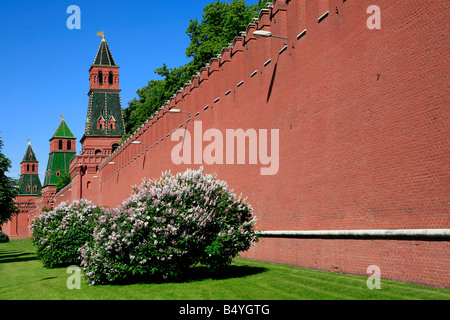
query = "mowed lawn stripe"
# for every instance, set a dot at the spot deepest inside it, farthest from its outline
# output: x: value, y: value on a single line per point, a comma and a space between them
x: 22, y: 276
x: 355, y: 283
x: 348, y: 287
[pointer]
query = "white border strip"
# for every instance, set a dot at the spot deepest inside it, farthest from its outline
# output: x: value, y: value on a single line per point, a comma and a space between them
x: 376, y: 233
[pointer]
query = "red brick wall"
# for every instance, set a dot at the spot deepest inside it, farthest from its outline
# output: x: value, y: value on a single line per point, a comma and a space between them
x: 64, y: 195
x: 93, y: 78
x: 419, y: 262
x: 54, y: 145
x: 18, y: 226
x: 363, y: 138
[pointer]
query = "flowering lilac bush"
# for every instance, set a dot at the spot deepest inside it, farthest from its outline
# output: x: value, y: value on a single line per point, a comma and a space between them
x: 167, y: 226
x: 59, y: 234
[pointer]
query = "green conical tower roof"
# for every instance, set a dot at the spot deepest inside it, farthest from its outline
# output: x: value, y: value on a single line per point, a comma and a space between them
x: 29, y: 155
x: 63, y: 131
x: 104, y: 56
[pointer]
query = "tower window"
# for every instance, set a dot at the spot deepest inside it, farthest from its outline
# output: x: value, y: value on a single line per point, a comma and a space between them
x: 110, y: 78
x: 58, y: 173
x: 69, y: 145
x: 28, y: 167
x: 32, y: 168
x: 100, y: 123
x: 112, y: 123
x: 35, y: 188
x: 60, y: 144
x: 100, y: 77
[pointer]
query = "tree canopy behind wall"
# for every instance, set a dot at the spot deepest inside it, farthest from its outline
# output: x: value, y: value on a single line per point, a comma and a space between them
x: 221, y: 22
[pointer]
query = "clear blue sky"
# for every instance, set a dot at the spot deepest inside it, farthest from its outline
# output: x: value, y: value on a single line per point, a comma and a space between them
x: 44, y: 65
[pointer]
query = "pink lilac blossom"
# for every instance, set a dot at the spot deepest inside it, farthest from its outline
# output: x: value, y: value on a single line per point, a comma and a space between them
x: 167, y: 225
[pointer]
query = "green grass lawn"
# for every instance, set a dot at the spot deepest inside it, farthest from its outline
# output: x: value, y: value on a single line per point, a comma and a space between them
x: 22, y: 276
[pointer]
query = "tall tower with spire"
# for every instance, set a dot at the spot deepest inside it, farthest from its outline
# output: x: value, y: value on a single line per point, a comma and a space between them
x: 104, y: 122
x: 104, y: 126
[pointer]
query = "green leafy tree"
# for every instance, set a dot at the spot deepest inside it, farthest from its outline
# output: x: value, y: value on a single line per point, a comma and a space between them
x: 64, y: 180
x: 221, y: 22
x: 8, y: 190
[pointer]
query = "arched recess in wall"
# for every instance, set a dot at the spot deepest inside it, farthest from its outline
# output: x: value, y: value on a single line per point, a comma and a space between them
x: 100, y: 77
x: 114, y: 147
x: 88, y: 185
x: 110, y: 77
x: 98, y: 151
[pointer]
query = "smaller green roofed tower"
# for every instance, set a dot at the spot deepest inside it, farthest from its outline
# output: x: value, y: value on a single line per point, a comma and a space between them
x: 29, y: 182
x: 62, y: 150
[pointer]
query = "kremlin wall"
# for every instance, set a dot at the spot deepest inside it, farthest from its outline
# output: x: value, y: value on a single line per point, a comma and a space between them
x: 343, y: 149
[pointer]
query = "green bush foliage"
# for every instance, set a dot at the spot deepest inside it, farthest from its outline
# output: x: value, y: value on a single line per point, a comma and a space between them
x: 58, y: 234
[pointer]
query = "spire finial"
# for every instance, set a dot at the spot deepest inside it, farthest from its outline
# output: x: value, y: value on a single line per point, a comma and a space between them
x: 62, y: 117
x: 101, y: 33
x: 29, y: 142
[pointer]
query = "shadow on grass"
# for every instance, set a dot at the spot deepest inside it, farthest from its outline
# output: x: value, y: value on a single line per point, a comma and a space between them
x: 228, y: 272
x: 28, y: 282
x: 198, y: 273
x: 16, y: 256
